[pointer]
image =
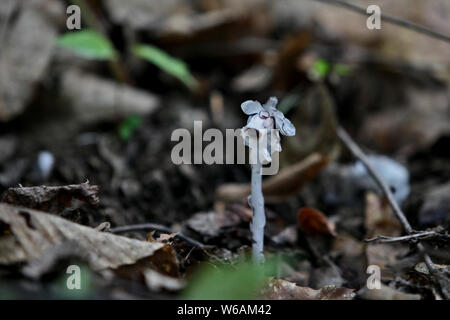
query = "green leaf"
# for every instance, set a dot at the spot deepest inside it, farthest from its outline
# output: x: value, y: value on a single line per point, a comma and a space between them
x: 171, y: 65
x: 242, y: 282
x: 321, y: 67
x: 128, y: 126
x: 342, y: 69
x: 89, y: 44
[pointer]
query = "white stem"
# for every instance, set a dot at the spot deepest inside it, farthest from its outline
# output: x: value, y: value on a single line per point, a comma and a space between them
x: 259, y: 217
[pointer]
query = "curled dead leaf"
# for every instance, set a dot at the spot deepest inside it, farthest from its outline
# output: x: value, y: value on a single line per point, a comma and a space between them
x: 314, y: 222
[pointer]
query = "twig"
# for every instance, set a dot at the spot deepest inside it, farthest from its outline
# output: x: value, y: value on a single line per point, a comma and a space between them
x: 157, y: 227
x: 390, y: 19
x: 358, y: 153
x: 415, y: 236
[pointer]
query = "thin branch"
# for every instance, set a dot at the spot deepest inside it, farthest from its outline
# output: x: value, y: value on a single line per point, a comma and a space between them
x: 358, y: 153
x: 415, y: 236
x: 156, y: 227
x: 390, y: 19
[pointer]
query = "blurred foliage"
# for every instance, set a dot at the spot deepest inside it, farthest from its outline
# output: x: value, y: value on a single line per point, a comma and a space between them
x: 128, y: 126
x: 321, y: 68
x: 171, y: 65
x: 89, y: 44
x: 243, y: 281
x: 342, y: 69
x: 289, y: 102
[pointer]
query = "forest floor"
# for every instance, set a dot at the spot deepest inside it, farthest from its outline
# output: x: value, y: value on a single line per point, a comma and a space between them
x: 86, y: 168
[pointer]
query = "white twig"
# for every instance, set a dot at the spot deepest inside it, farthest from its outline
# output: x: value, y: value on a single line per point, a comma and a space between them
x: 415, y: 236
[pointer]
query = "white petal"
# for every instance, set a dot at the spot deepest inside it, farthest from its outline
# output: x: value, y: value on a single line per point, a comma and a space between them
x: 275, y: 145
x: 271, y: 103
x: 286, y: 127
x: 254, y: 122
x: 251, y: 107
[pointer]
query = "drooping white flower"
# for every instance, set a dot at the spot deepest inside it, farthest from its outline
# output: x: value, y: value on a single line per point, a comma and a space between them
x: 267, y: 122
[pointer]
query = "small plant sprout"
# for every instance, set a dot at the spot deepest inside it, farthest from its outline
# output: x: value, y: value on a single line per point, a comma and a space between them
x: 262, y: 136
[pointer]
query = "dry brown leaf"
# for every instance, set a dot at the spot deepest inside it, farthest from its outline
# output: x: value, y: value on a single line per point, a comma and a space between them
x: 166, y: 237
x: 422, y: 267
x: 52, y: 199
x: 33, y: 31
x: 386, y: 293
x: 26, y: 235
x: 314, y: 222
x: 160, y: 271
x: 211, y: 223
x: 285, y: 290
x: 380, y: 220
x: 156, y: 281
x: 280, y: 186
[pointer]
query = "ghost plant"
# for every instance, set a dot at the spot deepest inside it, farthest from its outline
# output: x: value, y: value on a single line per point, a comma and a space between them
x: 262, y: 136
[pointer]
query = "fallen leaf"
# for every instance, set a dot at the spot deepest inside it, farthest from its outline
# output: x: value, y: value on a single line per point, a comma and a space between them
x: 351, y: 257
x: 157, y: 272
x: 314, y: 116
x: 380, y: 220
x: 26, y: 234
x: 386, y: 293
x: 314, y: 222
x: 34, y: 31
x: 288, y: 236
x: 436, y: 206
x: 280, y: 186
x: 327, y: 275
x: 254, y: 79
x: 52, y: 199
x: 156, y: 281
x: 166, y: 237
x: 285, y: 290
x: 212, y: 223
x: 422, y: 267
